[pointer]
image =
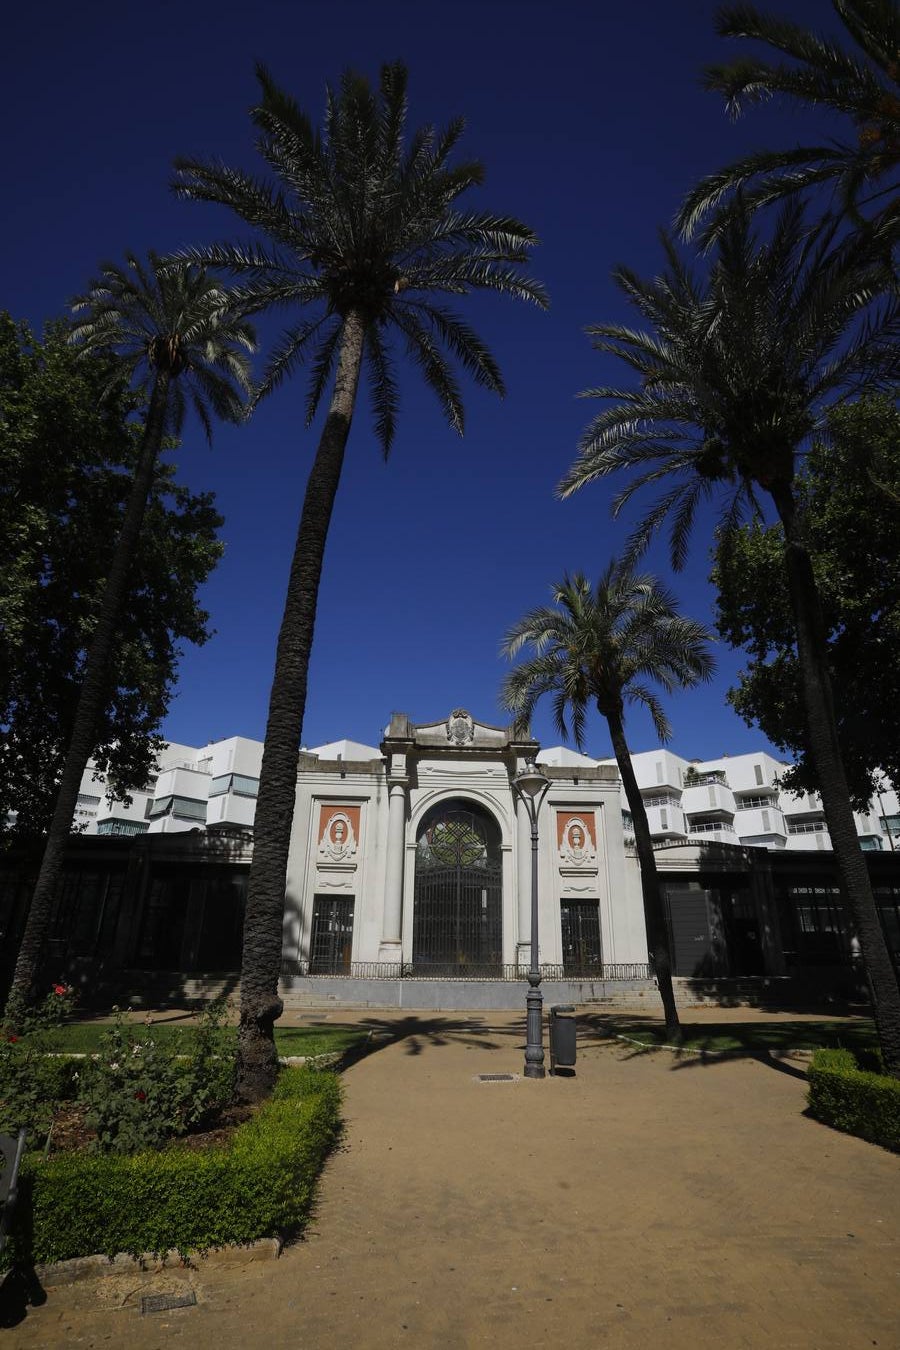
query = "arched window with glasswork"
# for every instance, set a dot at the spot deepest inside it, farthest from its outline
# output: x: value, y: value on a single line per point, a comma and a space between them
x: 457, y: 911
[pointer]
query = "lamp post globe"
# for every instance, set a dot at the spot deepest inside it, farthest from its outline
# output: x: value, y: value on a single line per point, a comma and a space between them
x: 531, y: 786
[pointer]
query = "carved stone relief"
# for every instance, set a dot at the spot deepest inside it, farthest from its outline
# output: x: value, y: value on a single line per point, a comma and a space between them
x: 338, y: 834
x: 460, y: 727
x: 577, y: 844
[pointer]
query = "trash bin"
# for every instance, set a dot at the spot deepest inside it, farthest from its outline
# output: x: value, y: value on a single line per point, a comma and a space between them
x: 562, y: 1036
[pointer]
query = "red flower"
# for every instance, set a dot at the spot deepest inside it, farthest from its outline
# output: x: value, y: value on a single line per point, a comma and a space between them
x: 140, y: 1096
x: 60, y: 989
x: 12, y: 1039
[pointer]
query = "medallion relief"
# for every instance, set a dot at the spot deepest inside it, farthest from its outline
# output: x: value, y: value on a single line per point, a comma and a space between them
x: 338, y: 834
x: 576, y: 840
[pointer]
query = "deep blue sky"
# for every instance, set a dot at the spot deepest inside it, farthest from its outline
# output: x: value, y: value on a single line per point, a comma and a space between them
x: 591, y: 123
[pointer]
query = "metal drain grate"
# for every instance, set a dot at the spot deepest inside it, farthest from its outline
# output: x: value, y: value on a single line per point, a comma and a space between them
x: 496, y: 1078
x: 152, y: 1303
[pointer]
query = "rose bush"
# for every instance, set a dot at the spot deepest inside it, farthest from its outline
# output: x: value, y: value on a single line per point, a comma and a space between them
x: 139, y: 1091
x: 32, y: 1080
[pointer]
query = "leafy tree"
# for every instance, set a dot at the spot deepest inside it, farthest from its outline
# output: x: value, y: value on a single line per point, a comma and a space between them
x: 362, y: 229
x: 843, y: 495
x: 736, y: 370
x: 67, y: 455
x: 172, y: 326
x: 602, y: 645
x: 860, y: 83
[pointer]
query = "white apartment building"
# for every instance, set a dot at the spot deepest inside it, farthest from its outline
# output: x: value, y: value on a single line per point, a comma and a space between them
x: 735, y: 799
x: 192, y: 789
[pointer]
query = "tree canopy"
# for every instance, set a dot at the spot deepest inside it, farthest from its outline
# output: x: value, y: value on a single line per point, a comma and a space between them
x: 363, y: 229
x: 607, y: 644
x: 66, y: 460
x: 848, y: 494
x: 858, y: 81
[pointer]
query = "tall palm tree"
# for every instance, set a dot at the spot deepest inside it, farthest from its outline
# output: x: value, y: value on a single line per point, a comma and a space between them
x: 169, y: 325
x: 860, y: 83
x: 735, y: 372
x: 361, y: 228
x: 602, y: 644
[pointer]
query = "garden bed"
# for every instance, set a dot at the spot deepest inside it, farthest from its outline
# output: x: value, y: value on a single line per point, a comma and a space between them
x: 260, y: 1183
x: 135, y: 1145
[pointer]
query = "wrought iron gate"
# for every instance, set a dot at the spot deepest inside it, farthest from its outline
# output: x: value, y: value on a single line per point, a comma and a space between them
x: 581, y: 952
x: 332, y: 935
x: 457, y: 916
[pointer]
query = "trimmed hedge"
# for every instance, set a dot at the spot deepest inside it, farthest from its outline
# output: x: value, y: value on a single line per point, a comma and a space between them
x: 260, y: 1184
x: 854, y: 1100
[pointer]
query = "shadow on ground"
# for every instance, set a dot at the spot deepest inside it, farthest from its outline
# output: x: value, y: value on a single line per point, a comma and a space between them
x: 415, y: 1033
x: 709, y: 1043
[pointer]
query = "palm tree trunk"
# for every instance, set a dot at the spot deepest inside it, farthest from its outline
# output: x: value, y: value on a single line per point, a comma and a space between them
x: 825, y: 754
x: 91, y: 699
x: 654, y: 910
x: 263, y: 921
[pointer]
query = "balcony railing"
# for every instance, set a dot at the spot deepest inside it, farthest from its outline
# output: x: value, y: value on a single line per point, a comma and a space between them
x: 396, y: 970
x: 704, y: 779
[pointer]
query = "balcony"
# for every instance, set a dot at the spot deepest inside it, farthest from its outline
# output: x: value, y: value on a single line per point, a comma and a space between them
x: 182, y: 782
x: 666, y: 822
x: 760, y: 822
x: 708, y: 799
x: 231, y: 809
x: 702, y: 778
x: 717, y: 831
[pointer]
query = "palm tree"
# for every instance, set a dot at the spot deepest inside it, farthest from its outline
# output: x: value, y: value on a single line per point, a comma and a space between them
x: 362, y: 229
x: 860, y: 83
x: 736, y: 370
x: 171, y: 324
x: 602, y: 644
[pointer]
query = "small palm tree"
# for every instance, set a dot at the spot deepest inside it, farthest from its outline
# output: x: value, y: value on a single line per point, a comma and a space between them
x: 736, y: 371
x: 363, y: 231
x: 169, y: 325
x: 860, y: 83
x: 601, y: 645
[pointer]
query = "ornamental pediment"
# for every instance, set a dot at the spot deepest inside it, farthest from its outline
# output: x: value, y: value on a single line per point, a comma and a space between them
x: 460, y: 731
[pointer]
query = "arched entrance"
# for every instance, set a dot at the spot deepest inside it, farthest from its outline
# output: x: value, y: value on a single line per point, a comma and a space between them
x: 457, y: 910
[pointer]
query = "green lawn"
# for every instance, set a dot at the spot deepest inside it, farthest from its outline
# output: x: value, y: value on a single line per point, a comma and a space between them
x: 83, y: 1038
x: 753, y: 1037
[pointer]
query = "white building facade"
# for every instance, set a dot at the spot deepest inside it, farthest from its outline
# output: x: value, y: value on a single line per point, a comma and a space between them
x: 410, y: 862
x: 417, y: 855
x: 737, y: 799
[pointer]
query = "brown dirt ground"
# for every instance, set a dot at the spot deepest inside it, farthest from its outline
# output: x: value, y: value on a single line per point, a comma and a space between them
x: 648, y: 1199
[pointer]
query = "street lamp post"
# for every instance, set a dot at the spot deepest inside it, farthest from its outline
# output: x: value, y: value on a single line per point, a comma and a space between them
x: 531, y: 786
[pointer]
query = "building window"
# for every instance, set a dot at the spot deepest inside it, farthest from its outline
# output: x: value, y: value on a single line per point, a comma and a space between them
x: 85, y: 799
x: 332, y: 935
x: 765, y: 821
x: 820, y: 930
x: 238, y: 783
x: 126, y: 827
x: 890, y: 824
x: 664, y: 819
x: 807, y: 827
x: 757, y: 769
x: 580, y: 925
x: 182, y: 808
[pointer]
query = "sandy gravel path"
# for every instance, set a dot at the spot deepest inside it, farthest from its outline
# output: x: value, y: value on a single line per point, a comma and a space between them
x: 647, y: 1200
